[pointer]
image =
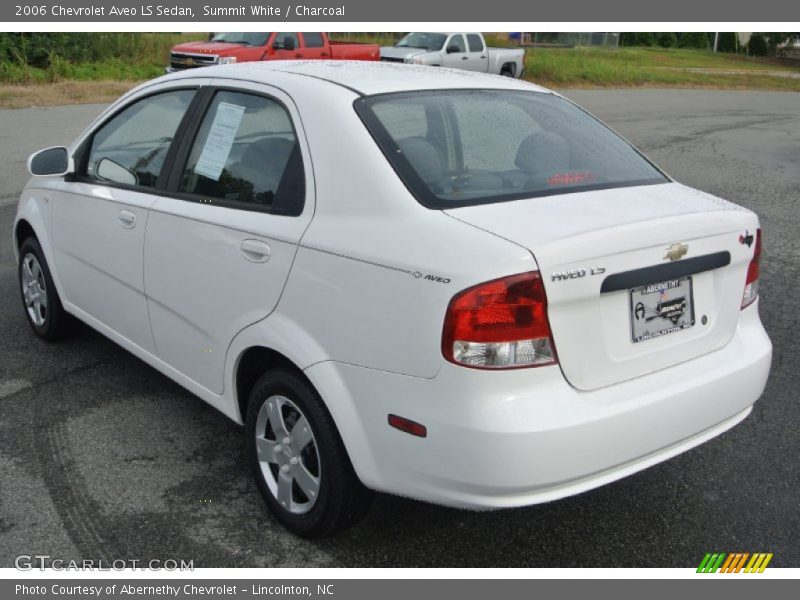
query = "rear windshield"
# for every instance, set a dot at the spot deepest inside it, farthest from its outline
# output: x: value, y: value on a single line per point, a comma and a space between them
x: 461, y: 147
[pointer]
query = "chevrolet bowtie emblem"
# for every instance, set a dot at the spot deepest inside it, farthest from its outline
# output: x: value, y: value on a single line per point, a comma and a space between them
x: 676, y: 251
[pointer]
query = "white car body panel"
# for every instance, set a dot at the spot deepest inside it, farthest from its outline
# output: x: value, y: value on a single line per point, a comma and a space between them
x: 355, y: 291
x: 95, y: 249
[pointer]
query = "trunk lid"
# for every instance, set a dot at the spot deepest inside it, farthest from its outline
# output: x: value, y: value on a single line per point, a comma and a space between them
x: 592, y: 248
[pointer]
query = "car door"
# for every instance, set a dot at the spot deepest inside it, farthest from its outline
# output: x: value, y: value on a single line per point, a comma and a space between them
x: 455, y: 52
x: 476, y: 51
x: 220, y: 245
x: 286, y: 46
x: 100, y: 215
x: 314, y: 45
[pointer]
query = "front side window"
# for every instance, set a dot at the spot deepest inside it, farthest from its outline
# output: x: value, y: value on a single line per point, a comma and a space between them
x: 130, y: 148
x: 286, y: 41
x: 246, y: 155
x: 456, y: 45
x: 461, y: 147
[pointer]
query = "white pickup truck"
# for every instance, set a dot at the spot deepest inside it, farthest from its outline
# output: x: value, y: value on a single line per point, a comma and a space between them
x: 457, y: 50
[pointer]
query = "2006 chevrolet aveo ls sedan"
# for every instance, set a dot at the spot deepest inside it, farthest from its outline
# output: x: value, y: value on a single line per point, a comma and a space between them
x: 455, y: 287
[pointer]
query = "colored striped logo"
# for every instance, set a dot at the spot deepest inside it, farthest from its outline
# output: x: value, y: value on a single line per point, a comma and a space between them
x: 734, y: 562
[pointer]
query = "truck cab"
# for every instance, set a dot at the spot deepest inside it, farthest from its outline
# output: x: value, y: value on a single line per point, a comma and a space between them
x: 456, y: 50
x: 235, y: 47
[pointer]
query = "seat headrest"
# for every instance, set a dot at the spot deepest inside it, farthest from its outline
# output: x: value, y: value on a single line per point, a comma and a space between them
x: 543, y: 152
x: 424, y: 157
x: 267, y: 152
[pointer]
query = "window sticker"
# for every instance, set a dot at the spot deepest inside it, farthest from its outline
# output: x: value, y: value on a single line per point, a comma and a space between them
x: 219, y: 141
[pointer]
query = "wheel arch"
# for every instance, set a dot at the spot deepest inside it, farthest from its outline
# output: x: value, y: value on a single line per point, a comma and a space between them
x: 22, y: 231
x: 250, y: 365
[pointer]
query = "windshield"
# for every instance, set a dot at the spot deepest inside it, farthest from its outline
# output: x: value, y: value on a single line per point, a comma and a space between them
x: 460, y: 147
x: 426, y: 41
x: 247, y: 38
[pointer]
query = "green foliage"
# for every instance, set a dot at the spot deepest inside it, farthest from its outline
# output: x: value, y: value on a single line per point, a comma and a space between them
x: 777, y: 41
x: 646, y: 38
x: 36, y: 57
x: 694, y: 39
x: 757, y: 46
x: 667, y: 39
x: 727, y: 42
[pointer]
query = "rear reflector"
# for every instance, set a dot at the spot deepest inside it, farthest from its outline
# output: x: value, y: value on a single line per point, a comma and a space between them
x: 751, y: 283
x: 408, y: 426
x: 500, y: 324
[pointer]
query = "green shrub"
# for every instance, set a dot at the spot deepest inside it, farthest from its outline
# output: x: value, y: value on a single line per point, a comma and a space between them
x: 694, y: 39
x: 757, y: 46
x: 667, y: 39
x: 645, y: 38
x: 727, y: 42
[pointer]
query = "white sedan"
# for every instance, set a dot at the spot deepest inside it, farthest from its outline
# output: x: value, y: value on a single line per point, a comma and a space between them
x: 455, y: 287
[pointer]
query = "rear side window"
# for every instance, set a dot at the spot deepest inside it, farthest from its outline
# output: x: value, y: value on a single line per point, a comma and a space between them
x: 313, y: 40
x: 461, y: 147
x: 130, y: 148
x: 246, y: 155
x: 475, y: 43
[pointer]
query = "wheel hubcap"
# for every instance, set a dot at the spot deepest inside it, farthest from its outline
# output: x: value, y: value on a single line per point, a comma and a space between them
x: 288, y: 455
x: 34, y: 289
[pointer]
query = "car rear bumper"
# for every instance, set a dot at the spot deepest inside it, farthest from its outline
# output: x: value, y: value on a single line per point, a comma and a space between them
x: 521, y: 437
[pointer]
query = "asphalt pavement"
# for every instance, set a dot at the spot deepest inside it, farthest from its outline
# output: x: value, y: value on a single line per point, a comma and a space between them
x: 101, y: 457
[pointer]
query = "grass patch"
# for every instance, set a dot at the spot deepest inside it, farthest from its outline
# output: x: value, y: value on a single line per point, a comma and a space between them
x: 63, y: 92
x: 632, y: 67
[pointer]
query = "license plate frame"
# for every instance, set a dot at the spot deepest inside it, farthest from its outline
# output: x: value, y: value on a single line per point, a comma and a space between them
x: 661, y: 308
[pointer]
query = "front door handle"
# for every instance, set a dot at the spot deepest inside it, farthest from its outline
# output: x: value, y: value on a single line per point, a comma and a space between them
x: 255, y: 250
x: 127, y: 218
x: 465, y: 58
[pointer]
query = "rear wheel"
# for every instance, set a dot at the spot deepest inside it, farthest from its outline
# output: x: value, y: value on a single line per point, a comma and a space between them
x: 298, y: 459
x: 43, y: 308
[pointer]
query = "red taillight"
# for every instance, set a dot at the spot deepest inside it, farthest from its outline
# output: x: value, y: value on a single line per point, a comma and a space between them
x: 500, y: 324
x: 751, y: 283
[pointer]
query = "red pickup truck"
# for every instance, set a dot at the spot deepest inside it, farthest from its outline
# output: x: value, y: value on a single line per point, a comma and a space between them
x: 227, y: 48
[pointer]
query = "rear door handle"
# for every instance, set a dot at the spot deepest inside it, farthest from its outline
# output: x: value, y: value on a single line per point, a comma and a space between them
x: 255, y: 250
x: 127, y: 218
x: 465, y: 58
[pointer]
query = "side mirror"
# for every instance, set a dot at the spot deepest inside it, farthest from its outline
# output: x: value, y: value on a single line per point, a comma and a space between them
x: 453, y: 49
x: 113, y: 171
x: 54, y: 161
x: 288, y: 43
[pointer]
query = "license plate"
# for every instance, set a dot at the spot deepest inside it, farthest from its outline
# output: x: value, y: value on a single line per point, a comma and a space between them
x: 661, y: 308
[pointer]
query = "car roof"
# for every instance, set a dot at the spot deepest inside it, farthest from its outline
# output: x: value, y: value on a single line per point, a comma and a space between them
x: 362, y: 77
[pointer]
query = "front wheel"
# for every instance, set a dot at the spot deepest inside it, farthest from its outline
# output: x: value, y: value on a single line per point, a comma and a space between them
x: 43, y: 308
x: 298, y: 458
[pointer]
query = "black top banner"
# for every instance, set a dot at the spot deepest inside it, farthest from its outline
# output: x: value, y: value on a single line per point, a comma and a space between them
x: 274, y: 11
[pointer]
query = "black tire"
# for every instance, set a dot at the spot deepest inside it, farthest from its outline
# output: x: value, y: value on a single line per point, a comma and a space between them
x: 341, y: 499
x: 507, y: 72
x: 57, y: 323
